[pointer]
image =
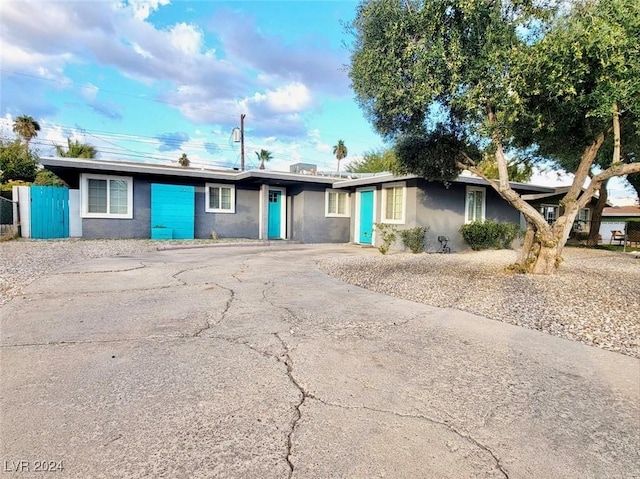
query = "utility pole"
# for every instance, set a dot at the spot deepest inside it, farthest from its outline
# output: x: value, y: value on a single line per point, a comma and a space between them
x: 242, y: 141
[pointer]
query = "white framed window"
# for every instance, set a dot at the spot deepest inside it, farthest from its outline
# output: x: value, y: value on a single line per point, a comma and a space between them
x: 106, y: 196
x: 584, y: 215
x: 394, y: 199
x: 220, y: 198
x: 336, y: 203
x: 475, y: 204
x: 550, y: 212
x: 582, y: 221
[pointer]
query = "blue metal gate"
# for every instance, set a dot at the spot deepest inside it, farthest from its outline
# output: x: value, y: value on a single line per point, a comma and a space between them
x: 49, y: 212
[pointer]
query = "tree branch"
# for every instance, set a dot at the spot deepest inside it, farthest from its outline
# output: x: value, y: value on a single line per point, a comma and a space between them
x: 532, y: 215
x: 619, y: 169
x: 586, y: 161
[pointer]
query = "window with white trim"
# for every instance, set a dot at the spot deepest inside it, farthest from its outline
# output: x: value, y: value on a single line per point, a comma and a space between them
x: 336, y: 203
x: 475, y: 204
x: 105, y: 196
x: 582, y: 222
x: 220, y: 198
x: 550, y: 212
x: 393, y: 203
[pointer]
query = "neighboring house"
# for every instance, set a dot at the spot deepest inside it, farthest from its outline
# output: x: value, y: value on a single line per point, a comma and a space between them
x: 549, y: 205
x: 615, y: 219
x: 139, y: 200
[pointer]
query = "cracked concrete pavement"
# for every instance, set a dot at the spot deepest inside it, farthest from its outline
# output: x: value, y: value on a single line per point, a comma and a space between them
x: 234, y: 362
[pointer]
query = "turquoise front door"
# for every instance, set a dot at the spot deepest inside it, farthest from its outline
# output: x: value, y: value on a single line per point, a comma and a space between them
x: 275, y: 214
x: 172, y: 211
x: 366, y: 217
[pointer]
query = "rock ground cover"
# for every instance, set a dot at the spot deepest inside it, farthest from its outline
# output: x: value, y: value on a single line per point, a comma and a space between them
x: 594, y: 298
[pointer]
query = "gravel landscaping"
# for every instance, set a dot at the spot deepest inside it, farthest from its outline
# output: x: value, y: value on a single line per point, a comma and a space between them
x: 594, y: 298
x: 23, y: 261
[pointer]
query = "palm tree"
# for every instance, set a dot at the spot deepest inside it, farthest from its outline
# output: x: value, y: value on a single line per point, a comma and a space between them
x: 264, y: 155
x: 26, y: 128
x: 75, y: 149
x: 340, y: 150
x: 184, y: 161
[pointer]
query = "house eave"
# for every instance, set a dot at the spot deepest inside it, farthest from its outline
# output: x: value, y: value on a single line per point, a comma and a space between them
x: 388, y: 177
x: 106, y: 166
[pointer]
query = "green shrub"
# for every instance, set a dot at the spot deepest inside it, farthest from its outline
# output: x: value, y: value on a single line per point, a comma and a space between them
x: 489, y: 234
x: 388, y: 233
x: 413, y: 238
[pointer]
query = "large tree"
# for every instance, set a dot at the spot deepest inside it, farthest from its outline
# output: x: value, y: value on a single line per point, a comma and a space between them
x: 75, y: 149
x: 453, y: 82
x: 17, y: 163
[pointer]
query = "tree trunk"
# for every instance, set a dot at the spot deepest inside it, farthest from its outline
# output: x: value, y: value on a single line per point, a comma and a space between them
x: 540, y: 251
x: 547, y: 259
x: 527, y: 244
x: 596, y: 218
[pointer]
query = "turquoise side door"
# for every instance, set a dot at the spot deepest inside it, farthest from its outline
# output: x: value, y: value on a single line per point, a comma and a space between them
x: 275, y: 214
x: 172, y: 208
x: 366, y: 217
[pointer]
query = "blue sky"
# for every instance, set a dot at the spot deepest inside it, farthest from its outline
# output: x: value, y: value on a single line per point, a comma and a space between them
x: 148, y: 80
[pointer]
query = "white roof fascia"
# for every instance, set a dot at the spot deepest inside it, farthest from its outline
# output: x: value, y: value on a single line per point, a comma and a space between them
x: 152, y: 169
x: 388, y: 177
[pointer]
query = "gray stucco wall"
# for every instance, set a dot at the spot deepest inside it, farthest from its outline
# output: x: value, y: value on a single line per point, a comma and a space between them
x: 442, y: 209
x: 138, y: 227
x: 241, y: 224
x: 309, y: 223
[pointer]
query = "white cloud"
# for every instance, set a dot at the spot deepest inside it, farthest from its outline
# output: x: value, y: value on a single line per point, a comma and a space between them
x: 322, y: 147
x: 143, y: 8
x: 141, y: 51
x: 186, y: 38
x: 90, y: 92
x: 294, y: 97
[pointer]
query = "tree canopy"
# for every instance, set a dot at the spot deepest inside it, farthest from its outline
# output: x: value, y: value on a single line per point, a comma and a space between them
x: 26, y: 128
x: 75, y: 149
x: 184, y: 160
x: 375, y: 161
x: 340, y: 151
x: 264, y: 156
x: 17, y: 163
x: 456, y: 82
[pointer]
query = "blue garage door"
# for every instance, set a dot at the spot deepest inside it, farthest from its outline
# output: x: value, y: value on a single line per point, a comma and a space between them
x: 173, y: 207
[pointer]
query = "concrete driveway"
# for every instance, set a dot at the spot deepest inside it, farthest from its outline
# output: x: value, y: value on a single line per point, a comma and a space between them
x: 248, y: 362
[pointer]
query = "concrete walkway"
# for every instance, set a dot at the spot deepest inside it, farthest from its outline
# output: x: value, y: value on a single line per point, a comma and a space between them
x: 235, y: 362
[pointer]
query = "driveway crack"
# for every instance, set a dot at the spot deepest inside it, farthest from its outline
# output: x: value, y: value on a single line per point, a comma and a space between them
x: 288, y: 362
x: 207, y: 324
x: 462, y: 434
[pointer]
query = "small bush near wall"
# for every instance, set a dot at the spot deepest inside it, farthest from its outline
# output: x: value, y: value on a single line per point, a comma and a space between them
x: 489, y: 234
x: 413, y: 238
x: 388, y: 234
